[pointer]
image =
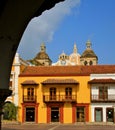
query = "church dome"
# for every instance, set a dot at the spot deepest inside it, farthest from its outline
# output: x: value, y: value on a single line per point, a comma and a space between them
x: 42, y: 55
x: 88, y: 53
x: 42, y: 58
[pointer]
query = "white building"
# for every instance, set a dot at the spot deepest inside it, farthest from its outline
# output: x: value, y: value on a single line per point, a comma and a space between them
x: 17, y: 67
x: 102, y: 97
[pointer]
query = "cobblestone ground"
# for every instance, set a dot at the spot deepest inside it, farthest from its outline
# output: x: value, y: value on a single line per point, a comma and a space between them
x: 57, y: 127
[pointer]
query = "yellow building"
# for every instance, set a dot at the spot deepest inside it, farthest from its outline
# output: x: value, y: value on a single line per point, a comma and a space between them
x: 54, y: 94
x: 57, y: 93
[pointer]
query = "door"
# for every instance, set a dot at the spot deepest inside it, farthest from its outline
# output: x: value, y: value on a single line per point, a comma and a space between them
x: 110, y: 114
x: 98, y: 114
x: 80, y: 114
x: 55, y: 114
x: 30, y: 114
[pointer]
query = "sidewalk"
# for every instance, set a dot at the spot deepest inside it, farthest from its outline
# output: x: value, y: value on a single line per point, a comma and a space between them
x: 77, y: 123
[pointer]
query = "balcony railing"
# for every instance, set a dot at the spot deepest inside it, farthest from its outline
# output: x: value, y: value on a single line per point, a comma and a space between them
x: 29, y: 98
x: 103, y: 98
x: 59, y: 98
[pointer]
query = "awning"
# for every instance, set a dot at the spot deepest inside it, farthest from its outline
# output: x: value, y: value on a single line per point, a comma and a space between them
x: 29, y: 82
x: 102, y: 81
x: 60, y: 81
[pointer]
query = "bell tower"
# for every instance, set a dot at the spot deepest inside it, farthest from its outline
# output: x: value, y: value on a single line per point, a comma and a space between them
x: 88, y: 57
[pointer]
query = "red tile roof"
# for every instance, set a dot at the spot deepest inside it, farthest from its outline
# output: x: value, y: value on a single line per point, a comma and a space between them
x: 67, y: 70
x: 60, y: 81
x: 97, y: 81
x: 29, y: 82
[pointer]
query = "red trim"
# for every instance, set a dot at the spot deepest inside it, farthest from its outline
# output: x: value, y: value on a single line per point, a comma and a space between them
x: 86, y: 105
x: 61, y: 114
x: 48, y: 114
x: 36, y: 109
x: 24, y: 105
x: 60, y: 105
x: 73, y: 113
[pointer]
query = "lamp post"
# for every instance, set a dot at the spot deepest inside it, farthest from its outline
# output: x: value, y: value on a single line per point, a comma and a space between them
x: 4, y: 93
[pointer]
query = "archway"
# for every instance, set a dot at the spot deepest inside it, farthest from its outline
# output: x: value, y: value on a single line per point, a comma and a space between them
x: 14, y: 18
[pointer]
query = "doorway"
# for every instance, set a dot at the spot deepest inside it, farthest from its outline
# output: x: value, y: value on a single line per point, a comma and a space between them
x: 98, y: 114
x: 30, y: 114
x: 55, y: 114
x: 80, y: 114
x: 110, y: 114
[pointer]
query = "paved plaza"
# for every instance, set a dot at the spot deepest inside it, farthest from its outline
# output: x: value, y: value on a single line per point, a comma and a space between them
x: 57, y: 127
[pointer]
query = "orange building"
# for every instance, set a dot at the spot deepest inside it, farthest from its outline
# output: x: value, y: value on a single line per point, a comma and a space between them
x: 57, y: 93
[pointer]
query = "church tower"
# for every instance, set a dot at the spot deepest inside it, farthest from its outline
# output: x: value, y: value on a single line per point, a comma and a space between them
x: 88, y: 57
x: 75, y: 56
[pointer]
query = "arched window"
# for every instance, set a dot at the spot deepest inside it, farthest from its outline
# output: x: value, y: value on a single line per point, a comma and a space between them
x: 85, y: 62
x: 68, y: 93
x: 52, y: 93
x: 91, y: 62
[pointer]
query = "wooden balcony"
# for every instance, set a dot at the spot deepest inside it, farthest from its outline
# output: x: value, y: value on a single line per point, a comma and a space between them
x: 59, y: 98
x: 31, y: 99
x: 104, y: 98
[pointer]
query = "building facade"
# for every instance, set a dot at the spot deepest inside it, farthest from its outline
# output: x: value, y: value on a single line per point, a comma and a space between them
x: 102, y: 97
x: 64, y: 94
x: 48, y: 94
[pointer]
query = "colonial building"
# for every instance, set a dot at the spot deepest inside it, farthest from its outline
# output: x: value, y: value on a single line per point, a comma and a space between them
x: 42, y: 58
x: 66, y: 94
x: 102, y: 97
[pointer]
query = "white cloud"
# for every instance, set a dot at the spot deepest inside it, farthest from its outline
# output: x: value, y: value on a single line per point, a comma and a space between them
x: 42, y: 28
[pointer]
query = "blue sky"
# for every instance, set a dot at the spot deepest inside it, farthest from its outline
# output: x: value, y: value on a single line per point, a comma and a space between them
x: 69, y: 22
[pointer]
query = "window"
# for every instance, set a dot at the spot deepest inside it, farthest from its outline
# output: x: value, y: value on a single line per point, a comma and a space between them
x: 52, y: 93
x: 30, y: 93
x: 103, y: 92
x: 68, y: 93
x: 91, y: 62
x: 85, y: 62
